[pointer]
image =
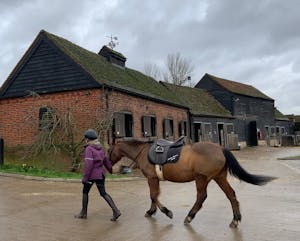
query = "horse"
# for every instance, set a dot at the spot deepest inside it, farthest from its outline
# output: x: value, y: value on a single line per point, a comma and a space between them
x: 200, y: 162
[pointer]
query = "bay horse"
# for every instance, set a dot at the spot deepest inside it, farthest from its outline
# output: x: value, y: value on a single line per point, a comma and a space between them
x: 201, y: 161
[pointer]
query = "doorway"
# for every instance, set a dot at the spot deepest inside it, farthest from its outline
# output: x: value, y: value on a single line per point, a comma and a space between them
x: 221, y: 134
x: 252, y: 140
x: 197, y: 132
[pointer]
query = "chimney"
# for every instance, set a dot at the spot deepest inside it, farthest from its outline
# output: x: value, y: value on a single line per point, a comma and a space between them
x: 113, y: 57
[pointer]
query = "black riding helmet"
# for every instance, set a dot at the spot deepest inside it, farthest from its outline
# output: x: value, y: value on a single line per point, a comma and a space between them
x: 91, y: 134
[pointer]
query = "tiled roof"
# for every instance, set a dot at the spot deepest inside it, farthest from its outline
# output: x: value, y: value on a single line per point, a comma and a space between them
x: 239, y: 88
x: 105, y: 73
x: 199, y: 101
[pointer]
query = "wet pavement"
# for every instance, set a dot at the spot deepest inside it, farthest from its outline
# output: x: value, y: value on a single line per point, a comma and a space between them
x: 44, y: 210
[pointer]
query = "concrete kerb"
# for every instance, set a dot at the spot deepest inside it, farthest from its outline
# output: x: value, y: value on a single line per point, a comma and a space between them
x: 34, y: 178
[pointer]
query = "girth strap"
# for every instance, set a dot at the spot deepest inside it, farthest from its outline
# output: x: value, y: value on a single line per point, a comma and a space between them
x: 159, y: 172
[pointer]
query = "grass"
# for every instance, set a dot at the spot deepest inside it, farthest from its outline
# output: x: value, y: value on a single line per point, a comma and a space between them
x: 290, y: 158
x: 27, y: 170
x: 46, y: 165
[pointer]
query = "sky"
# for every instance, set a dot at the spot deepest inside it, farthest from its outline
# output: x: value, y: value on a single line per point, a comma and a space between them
x: 254, y: 42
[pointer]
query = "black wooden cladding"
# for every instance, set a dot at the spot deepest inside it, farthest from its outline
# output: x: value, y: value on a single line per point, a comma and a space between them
x: 46, y: 71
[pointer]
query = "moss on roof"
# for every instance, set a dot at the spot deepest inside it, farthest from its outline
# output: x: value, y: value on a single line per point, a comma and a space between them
x: 279, y: 115
x: 239, y: 88
x: 199, y: 101
x: 106, y: 73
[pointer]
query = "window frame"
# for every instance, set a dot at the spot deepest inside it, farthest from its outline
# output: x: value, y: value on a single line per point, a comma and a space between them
x: 123, y: 124
x: 182, y: 128
x: 168, y: 127
x: 46, y: 118
x: 148, y: 123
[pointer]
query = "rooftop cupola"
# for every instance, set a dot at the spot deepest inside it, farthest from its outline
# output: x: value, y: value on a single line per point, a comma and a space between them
x: 113, y: 56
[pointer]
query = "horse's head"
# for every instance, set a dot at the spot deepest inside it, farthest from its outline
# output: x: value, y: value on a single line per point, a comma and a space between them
x: 129, y: 148
x: 114, y: 154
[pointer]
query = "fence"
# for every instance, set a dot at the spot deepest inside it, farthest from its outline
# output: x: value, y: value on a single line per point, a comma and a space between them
x: 284, y: 140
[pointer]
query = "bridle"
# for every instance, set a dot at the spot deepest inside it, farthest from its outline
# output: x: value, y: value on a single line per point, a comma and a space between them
x: 134, y: 159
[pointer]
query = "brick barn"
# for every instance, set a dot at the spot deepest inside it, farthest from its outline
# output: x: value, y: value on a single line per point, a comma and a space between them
x: 56, y: 74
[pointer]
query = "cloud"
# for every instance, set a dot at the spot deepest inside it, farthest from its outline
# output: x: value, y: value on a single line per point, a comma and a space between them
x: 253, y: 42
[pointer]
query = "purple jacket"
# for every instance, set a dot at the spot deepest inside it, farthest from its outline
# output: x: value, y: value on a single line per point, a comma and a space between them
x: 94, y: 159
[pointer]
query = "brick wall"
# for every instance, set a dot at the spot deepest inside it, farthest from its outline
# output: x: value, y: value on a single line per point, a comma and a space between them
x: 139, y: 107
x: 19, y: 116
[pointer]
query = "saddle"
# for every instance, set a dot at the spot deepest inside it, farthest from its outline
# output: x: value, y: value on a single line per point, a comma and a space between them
x: 163, y: 151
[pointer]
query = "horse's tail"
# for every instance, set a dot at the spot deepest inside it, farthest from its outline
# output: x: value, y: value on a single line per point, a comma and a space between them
x: 236, y: 170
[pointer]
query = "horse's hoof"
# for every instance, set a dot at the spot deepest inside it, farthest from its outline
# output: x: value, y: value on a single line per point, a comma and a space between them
x: 149, y: 213
x: 187, y: 220
x: 169, y: 214
x: 234, y: 224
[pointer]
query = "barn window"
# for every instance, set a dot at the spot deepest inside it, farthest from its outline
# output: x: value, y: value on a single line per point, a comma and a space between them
x: 272, y: 130
x: 46, y: 118
x: 230, y: 129
x: 122, y: 124
x: 148, y: 126
x: 283, y: 131
x: 168, y: 128
x: 182, y: 130
x: 207, y: 132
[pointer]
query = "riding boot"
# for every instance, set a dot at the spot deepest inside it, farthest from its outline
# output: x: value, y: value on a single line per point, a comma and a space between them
x: 116, y: 211
x: 83, y: 212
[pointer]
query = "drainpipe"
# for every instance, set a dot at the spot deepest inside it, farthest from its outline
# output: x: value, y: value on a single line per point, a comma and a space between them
x: 1, y: 151
x: 106, y: 97
x: 189, y: 125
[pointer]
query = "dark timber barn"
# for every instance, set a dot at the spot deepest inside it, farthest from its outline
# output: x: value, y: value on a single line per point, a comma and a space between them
x: 253, y: 110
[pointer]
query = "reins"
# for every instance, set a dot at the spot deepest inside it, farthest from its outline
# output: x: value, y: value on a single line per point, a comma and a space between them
x: 111, y: 150
x: 135, y: 159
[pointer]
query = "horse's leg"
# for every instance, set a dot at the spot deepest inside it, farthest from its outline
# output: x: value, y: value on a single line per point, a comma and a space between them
x: 201, y: 185
x: 221, y: 180
x: 154, y: 193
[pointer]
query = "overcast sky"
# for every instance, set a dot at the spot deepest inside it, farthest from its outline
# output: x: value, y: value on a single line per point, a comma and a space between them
x: 254, y: 42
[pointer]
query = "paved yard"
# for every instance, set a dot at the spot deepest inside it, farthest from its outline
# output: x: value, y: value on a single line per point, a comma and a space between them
x: 44, y: 210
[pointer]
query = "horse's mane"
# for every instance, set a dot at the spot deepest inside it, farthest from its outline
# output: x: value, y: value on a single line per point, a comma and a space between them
x: 136, y: 141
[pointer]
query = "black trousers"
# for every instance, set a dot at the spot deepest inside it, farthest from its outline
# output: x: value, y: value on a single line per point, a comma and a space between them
x: 100, y: 183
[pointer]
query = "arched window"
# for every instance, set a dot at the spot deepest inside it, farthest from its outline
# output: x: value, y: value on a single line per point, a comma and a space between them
x: 46, y: 118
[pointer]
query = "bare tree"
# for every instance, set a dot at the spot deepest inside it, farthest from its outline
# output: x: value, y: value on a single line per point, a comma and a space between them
x: 179, y: 69
x: 60, y: 132
x: 152, y: 70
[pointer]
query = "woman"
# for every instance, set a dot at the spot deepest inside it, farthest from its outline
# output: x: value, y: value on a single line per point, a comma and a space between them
x: 94, y: 172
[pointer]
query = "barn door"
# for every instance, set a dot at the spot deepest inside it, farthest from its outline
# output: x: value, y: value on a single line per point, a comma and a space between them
x: 252, y: 138
x: 221, y: 134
